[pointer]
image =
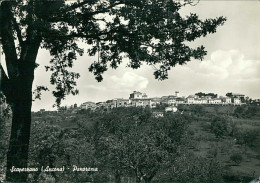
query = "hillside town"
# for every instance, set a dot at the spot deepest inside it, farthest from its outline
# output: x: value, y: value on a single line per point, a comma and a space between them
x: 139, y: 99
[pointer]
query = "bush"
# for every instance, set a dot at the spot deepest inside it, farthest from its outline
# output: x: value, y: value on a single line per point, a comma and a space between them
x: 246, y: 137
x: 220, y: 126
x: 193, y: 169
x: 240, y: 111
x: 236, y: 158
x: 253, y: 111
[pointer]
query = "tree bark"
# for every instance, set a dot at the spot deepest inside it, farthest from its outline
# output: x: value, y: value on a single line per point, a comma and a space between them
x: 18, y: 92
x: 17, y: 155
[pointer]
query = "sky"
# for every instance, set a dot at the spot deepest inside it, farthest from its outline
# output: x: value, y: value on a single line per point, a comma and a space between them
x: 231, y: 65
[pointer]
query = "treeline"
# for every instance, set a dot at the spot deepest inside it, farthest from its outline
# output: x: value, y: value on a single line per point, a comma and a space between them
x: 247, y: 111
x: 243, y: 111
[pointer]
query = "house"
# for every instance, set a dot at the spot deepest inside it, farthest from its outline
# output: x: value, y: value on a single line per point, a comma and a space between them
x: 171, y: 109
x: 170, y: 100
x: 256, y: 101
x: 110, y: 104
x: 101, y: 105
x: 239, y: 96
x: 236, y: 101
x: 155, y: 101
x: 164, y: 97
x: 216, y: 101
x: 137, y: 95
x: 180, y: 100
x: 145, y: 102
x: 204, y: 100
x: 191, y: 99
x: 157, y: 114
x: 225, y: 100
x: 88, y: 105
x: 122, y: 102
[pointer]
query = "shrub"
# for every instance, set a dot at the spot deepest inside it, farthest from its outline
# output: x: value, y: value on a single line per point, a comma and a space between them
x: 236, y: 158
x: 246, y: 136
x: 240, y: 111
x: 220, y: 126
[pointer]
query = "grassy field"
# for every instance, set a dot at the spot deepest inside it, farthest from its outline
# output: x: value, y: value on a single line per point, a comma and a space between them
x: 206, y: 144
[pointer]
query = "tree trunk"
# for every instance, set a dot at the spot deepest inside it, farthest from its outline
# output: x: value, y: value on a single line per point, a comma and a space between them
x: 17, y: 155
x: 18, y: 88
x: 18, y: 93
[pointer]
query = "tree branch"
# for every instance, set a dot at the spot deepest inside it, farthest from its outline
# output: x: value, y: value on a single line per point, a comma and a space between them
x: 8, y: 39
x: 74, y: 6
x: 59, y: 15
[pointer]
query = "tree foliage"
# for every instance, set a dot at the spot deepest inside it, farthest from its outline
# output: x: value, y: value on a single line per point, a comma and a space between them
x: 201, y: 94
x: 140, y: 144
x: 145, y: 31
x: 149, y: 32
x: 195, y: 169
x: 221, y: 126
x: 246, y: 111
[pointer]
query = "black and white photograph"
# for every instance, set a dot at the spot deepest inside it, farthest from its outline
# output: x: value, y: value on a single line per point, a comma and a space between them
x: 130, y: 91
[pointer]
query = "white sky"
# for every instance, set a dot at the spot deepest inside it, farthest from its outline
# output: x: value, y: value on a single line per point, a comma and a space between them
x: 232, y: 63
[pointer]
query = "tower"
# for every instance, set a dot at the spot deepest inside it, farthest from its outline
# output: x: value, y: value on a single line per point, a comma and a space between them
x: 177, y: 94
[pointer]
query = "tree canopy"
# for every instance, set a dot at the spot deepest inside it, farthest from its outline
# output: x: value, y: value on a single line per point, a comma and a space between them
x: 145, y: 31
x: 149, y: 32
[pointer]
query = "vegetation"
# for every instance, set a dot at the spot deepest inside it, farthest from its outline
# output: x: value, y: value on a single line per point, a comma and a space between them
x: 201, y: 94
x: 139, y: 143
x: 131, y: 145
x: 246, y: 111
x: 145, y: 31
x: 220, y: 126
x: 237, y: 158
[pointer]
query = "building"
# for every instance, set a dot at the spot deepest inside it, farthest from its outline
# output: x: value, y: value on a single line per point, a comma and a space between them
x: 180, y: 100
x: 100, y: 105
x: 237, y: 95
x: 177, y: 94
x: 137, y: 95
x: 225, y: 100
x: 139, y: 99
x: 215, y: 101
x: 110, y: 104
x: 155, y: 101
x: 170, y: 100
x: 157, y: 114
x: 123, y: 102
x: 191, y: 99
x: 236, y: 101
x: 145, y: 102
x: 171, y: 109
x: 88, y: 105
x: 204, y: 100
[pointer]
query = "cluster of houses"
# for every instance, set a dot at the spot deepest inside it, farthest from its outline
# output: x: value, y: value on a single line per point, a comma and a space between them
x: 138, y: 99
